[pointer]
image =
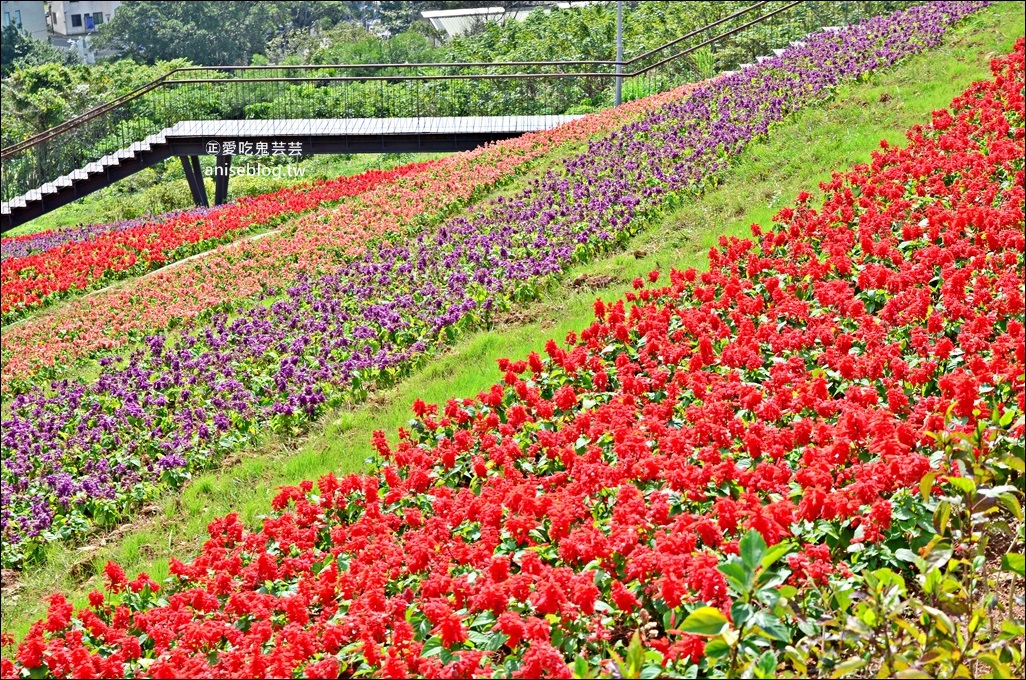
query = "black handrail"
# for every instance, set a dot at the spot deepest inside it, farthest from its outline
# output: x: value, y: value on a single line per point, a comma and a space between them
x: 725, y: 34
x: 486, y: 76
x: 167, y: 79
x: 695, y: 32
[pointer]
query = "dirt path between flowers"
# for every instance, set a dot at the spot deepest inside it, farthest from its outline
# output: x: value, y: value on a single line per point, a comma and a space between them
x: 142, y: 277
x: 177, y: 263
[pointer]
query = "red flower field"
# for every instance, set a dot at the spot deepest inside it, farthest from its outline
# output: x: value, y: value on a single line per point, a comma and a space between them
x: 31, y: 281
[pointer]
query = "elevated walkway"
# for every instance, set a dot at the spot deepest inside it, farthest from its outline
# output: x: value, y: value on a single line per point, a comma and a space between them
x: 290, y: 137
x: 310, y: 109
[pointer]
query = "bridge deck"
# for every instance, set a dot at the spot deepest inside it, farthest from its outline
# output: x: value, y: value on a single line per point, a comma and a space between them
x: 335, y: 127
x: 296, y: 137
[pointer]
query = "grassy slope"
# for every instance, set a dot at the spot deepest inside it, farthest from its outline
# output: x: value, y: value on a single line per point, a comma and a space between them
x: 798, y: 155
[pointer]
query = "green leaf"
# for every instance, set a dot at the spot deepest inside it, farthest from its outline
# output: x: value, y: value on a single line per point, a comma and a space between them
x: 939, y: 620
x: 705, y: 621
x: 1014, y: 562
x: 740, y: 612
x: 581, y: 669
x: 766, y: 665
x: 885, y: 578
x: 739, y: 578
x: 926, y: 484
x: 775, y: 553
x: 963, y: 484
x: 635, y: 655
x: 1011, y: 630
x: 842, y: 598
x: 941, y: 517
x: 432, y: 647
x: 935, y: 655
x: 1011, y: 503
x: 848, y: 667
x: 1015, y: 461
x: 1006, y: 418
x: 772, y: 627
x: 994, y: 492
x: 938, y: 553
x: 753, y: 549
x: 1001, y: 669
x: 798, y: 660
x: 716, y: 648
x: 771, y: 580
x: 934, y: 577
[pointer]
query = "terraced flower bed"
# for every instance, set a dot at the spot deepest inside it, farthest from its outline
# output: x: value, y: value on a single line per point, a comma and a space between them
x: 93, y: 257
x: 416, y: 197
x: 78, y: 454
x: 700, y: 482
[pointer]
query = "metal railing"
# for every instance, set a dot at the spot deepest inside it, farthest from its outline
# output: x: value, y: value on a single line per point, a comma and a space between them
x: 413, y: 90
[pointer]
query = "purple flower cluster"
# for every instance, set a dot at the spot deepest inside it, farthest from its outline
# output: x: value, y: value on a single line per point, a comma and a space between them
x: 20, y: 246
x: 78, y: 453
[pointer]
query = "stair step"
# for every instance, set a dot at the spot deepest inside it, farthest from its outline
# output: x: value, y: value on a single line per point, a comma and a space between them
x: 63, y: 181
x: 78, y: 175
x: 48, y: 189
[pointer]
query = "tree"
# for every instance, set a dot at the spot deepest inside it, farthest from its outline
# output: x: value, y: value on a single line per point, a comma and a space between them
x: 212, y: 33
x: 19, y: 48
x: 208, y: 33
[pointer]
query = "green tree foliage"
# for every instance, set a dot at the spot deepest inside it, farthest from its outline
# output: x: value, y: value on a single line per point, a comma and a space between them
x: 408, y: 47
x: 587, y: 32
x: 36, y: 97
x: 212, y: 33
x: 19, y: 48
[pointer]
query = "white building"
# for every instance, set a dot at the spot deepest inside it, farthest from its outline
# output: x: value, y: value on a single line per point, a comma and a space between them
x: 30, y: 17
x: 76, y: 18
x: 453, y: 22
x: 459, y: 21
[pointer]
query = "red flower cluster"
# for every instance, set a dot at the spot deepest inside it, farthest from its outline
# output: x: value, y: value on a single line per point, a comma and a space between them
x: 791, y: 390
x: 34, y: 280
